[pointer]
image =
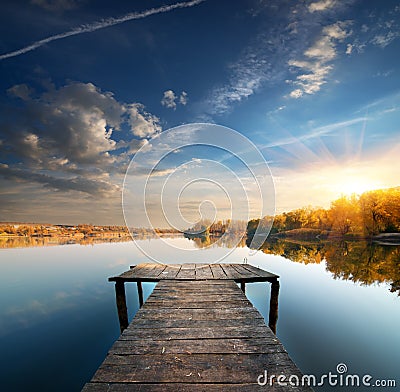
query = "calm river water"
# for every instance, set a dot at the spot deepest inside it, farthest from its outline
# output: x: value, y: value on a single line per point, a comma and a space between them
x: 339, y: 303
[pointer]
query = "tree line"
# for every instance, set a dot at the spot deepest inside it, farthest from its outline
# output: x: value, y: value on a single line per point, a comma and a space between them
x: 39, y: 230
x: 367, y: 215
x: 206, y: 227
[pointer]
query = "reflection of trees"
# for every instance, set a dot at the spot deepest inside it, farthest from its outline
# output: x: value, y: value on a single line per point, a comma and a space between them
x: 227, y: 240
x: 364, y: 263
x: 26, y: 242
x: 305, y: 253
x: 359, y: 261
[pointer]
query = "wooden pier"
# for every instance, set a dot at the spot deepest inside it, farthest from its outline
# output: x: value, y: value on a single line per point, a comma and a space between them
x: 196, y: 332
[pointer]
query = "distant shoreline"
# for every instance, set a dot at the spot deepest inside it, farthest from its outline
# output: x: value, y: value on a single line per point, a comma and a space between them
x: 40, y: 230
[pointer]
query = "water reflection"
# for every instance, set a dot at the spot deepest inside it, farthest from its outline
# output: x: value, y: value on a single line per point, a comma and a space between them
x: 232, y: 240
x: 359, y: 261
x: 28, y: 241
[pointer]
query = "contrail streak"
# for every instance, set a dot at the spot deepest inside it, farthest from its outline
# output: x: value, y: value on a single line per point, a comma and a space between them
x: 88, y: 28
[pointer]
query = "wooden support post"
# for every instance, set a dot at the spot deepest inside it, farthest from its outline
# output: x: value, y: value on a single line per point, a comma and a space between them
x: 243, y: 286
x: 273, y: 305
x: 140, y: 293
x: 121, y: 304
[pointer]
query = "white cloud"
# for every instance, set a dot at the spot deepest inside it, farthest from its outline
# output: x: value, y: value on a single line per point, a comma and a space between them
x: 323, y: 49
x: 75, y: 122
x: 183, y: 98
x: 349, y: 49
x: 142, y: 124
x: 337, y: 30
x: 65, y: 138
x: 170, y: 99
x: 322, y: 5
x: 319, y: 57
x: 298, y: 93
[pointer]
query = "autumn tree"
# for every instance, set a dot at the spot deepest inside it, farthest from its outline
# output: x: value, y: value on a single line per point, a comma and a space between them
x: 344, y: 215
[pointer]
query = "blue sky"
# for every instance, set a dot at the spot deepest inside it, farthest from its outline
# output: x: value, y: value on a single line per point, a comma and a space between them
x: 313, y: 84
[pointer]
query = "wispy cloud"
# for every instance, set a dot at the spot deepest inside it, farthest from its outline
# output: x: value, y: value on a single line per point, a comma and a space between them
x: 102, y: 24
x: 337, y: 125
x: 382, y: 106
x: 247, y: 76
x: 319, y: 57
x: 317, y: 132
x: 381, y: 33
x: 385, y: 39
x: 266, y: 59
x: 262, y: 62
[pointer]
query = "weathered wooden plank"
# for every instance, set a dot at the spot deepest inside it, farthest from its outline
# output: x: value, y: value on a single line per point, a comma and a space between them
x: 170, y: 271
x: 217, y: 271
x: 203, y: 287
x: 144, y: 266
x: 207, y: 297
x: 187, y: 272
x: 245, y: 273
x: 192, y: 346
x: 149, y: 322
x: 203, y: 272
x: 176, y: 301
x: 192, y: 368
x: 259, y: 272
x: 199, y: 282
x: 196, y: 290
x: 157, y: 297
x: 192, y: 305
x: 148, y: 270
x: 230, y: 272
x: 125, y: 275
x: 194, y: 333
x: 203, y: 284
x: 198, y: 314
x: 141, y: 271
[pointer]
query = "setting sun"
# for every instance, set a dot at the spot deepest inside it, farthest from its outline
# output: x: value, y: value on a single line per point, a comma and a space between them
x: 356, y: 185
